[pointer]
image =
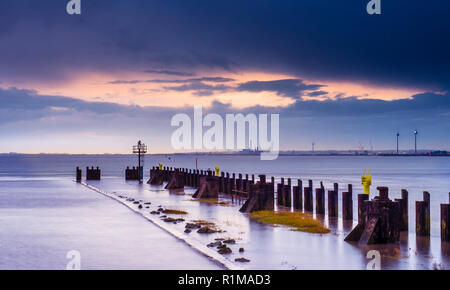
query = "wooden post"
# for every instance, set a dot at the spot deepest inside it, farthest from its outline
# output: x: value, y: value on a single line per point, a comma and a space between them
x: 445, y: 221
x: 245, y: 185
x: 79, y: 174
x: 280, y: 189
x: 226, y: 183
x: 320, y: 200
x: 194, y: 178
x: 239, y: 182
x: 298, y: 195
x: 347, y: 204
x: 308, y: 199
x: 361, y: 207
x: 233, y: 183
x: 333, y: 201
x: 221, y: 182
x: 189, y: 177
x: 287, y: 193
x: 423, y: 216
x: 403, y: 210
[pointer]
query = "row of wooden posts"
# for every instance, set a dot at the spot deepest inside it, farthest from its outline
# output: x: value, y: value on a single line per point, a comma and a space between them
x: 379, y: 219
x: 91, y: 173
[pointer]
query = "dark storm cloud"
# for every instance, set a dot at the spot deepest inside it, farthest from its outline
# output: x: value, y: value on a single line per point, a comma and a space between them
x: 317, y: 93
x: 292, y: 88
x: 198, y: 86
x: 424, y: 105
x: 29, y: 102
x: 191, y: 80
x: 331, y: 40
x: 170, y: 73
x: 203, y: 93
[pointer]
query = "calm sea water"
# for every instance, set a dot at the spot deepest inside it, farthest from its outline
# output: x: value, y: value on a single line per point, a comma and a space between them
x: 45, y: 214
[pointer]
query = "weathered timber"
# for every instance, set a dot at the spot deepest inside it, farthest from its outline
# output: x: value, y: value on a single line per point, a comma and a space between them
x: 380, y: 221
x: 361, y: 206
x: 333, y: 201
x: 445, y: 221
x: 308, y: 198
x: 209, y: 187
x: 93, y: 173
x: 261, y: 196
x: 287, y: 193
x: 297, y: 192
x: 176, y: 180
x: 403, y: 210
x: 280, y: 189
x: 320, y: 200
x: 133, y: 173
x: 423, y: 216
x: 78, y: 174
x: 347, y: 204
x: 156, y: 176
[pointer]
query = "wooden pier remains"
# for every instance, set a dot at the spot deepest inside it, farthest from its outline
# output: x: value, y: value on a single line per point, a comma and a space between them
x: 93, y: 173
x: 380, y: 220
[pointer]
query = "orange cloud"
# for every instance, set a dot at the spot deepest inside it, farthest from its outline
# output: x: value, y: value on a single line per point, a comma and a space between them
x: 98, y: 87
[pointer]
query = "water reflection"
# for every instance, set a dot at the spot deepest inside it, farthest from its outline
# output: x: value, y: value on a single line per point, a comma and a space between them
x: 271, y: 247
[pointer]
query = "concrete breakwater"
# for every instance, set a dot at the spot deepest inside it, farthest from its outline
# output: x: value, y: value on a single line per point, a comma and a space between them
x: 193, y: 243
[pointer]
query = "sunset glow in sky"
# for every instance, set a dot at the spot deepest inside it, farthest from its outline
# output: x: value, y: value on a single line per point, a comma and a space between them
x: 149, y: 89
x: 97, y: 82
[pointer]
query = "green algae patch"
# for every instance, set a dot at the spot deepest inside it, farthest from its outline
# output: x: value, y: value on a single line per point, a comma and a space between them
x: 298, y: 221
x: 174, y: 211
x: 208, y: 224
x: 211, y: 201
x: 203, y: 223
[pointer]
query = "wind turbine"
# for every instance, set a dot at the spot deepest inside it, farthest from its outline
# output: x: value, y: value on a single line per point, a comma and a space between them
x: 398, y: 135
x: 415, y: 141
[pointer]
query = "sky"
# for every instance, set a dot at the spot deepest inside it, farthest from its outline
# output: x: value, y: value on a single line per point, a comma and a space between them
x: 338, y: 77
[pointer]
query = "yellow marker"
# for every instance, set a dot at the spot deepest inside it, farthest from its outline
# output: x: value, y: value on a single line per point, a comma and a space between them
x: 160, y: 165
x: 366, y: 181
x: 217, y: 170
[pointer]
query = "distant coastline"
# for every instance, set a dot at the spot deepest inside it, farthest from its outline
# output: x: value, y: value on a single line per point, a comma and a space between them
x: 387, y: 153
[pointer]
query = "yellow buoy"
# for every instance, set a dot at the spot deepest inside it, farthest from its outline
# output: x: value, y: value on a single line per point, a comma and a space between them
x: 217, y: 170
x: 366, y: 181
